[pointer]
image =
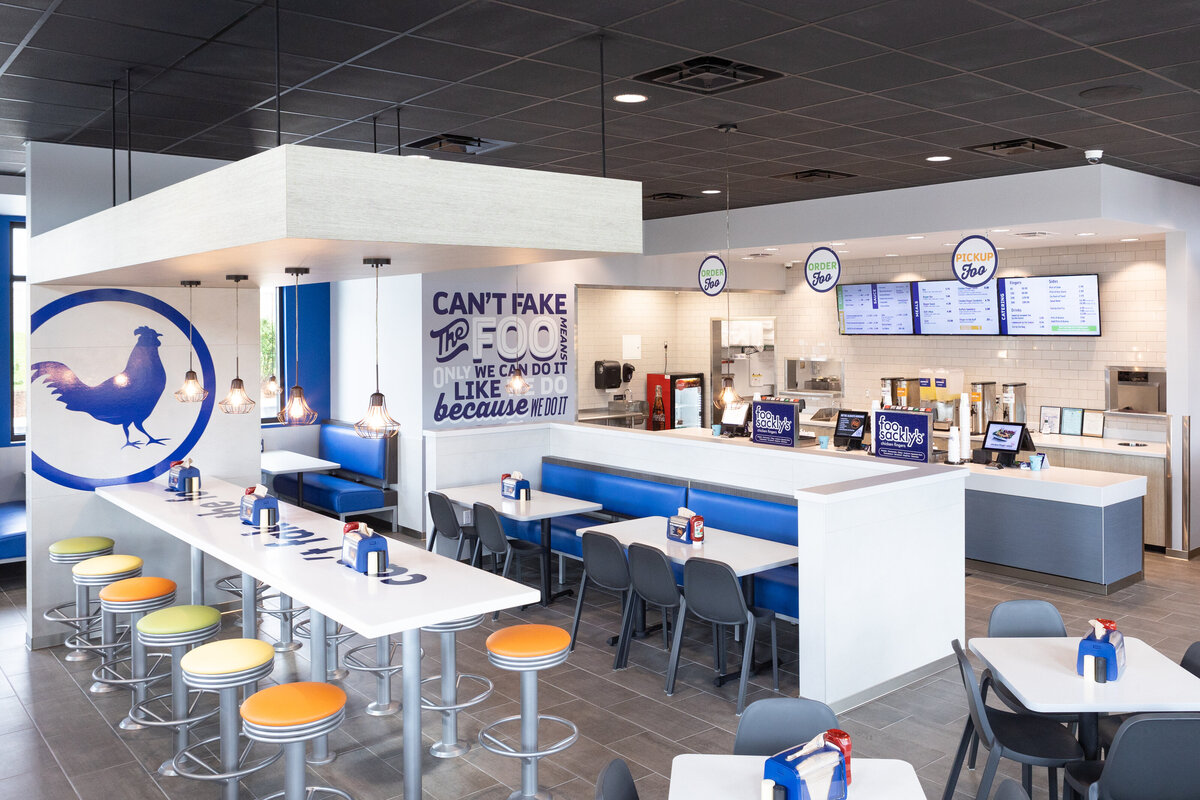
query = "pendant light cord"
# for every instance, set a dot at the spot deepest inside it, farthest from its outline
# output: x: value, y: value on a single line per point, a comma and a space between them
x: 296, y: 344
x: 377, y: 329
x: 237, y: 333
x: 189, y: 329
x: 603, y: 132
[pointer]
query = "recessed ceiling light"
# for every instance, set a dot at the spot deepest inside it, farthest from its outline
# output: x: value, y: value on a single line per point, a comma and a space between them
x: 747, y: 258
x: 835, y: 244
x: 1130, y: 239
x: 892, y: 255
x: 843, y: 251
x: 770, y: 249
x: 914, y: 237
x: 947, y: 244
x: 710, y: 191
x: 937, y: 158
x: 1001, y: 230
x: 418, y: 155
x: 630, y: 98
x: 999, y: 248
x: 1085, y: 234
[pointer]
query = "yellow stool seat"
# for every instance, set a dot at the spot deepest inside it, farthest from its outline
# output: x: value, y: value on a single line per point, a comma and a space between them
x: 227, y: 656
x: 80, y: 544
x: 134, y: 589
x: 528, y: 641
x: 178, y: 619
x: 291, y: 704
x: 106, y: 565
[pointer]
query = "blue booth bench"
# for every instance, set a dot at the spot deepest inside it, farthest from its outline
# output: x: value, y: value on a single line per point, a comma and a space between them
x: 360, y: 486
x: 12, y: 531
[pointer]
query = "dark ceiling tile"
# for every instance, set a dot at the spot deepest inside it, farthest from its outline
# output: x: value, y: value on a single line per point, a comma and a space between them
x: 1049, y: 124
x: 508, y: 130
x: 200, y: 20
x: 182, y: 83
x: 603, y: 14
x: 624, y: 56
x: 705, y: 25
x: 1057, y: 70
x: 801, y: 50
x: 1152, y: 107
x: 245, y: 137
x: 861, y: 108
x: 504, y: 29
x: 1139, y: 147
x: 651, y: 151
x: 812, y: 10
x: 1143, y: 84
x: 156, y: 126
x: 476, y: 100
x: 562, y: 115
x: 15, y: 23
x: 387, y: 14
x: 1180, y: 123
x: 417, y: 56
x: 1008, y: 43
x: 709, y: 159
x: 880, y: 72
x: 44, y: 113
x: 1167, y: 157
x: 390, y: 87
x: 770, y: 149
x: 538, y: 79
x: 708, y: 111
x: 302, y: 35
x: 787, y: 94
x: 298, y: 124
x: 186, y: 108
x: 711, y: 139
x: 112, y: 41
x: 590, y: 163
x: 1102, y: 136
x: 532, y: 154
x: 660, y: 169
x: 1032, y: 8
x: 1112, y: 20
x: 434, y: 119
x: 779, y: 126
x: 339, y: 144
x: 841, y: 136
x: 915, y: 124
x: 890, y: 148
x: 901, y: 23
x: 656, y: 97
x: 641, y: 127
x: 967, y: 136
x: 1187, y: 74
x: 35, y: 130
x: 248, y: 63
x: 765, y: 169
x: 943, y: 92
x: 202, y: 149
x: 578, y: 141
x: 337, y: 106
x: 62, y: 93
x: 1012, y: 107
x: 1158, y: 49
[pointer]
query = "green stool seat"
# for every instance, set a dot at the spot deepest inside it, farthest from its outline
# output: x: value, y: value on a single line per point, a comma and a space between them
x: 80, y: 544
x: 178, y: 619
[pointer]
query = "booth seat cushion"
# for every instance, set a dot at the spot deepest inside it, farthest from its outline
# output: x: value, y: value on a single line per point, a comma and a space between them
x: 365, y: 456
x: 12, y: 530
x: 619, y: 494
x: 777, y: 589
x: 745, y: 515
x: 330, y: 492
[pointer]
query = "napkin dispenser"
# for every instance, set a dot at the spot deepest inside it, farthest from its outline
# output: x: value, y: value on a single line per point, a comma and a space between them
x: 514, y: 486
x: 1101, y: 653
x: 686, y: 527
x: 363, y: 550
x: 183, y: 477
x: 815, y: 770
x: 259, y: 508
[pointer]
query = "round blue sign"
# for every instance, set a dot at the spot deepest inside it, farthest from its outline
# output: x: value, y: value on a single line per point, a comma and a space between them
x: 975, y: 261
x: 101, y: 401
x: 712, y: 276
x: 822, y: 269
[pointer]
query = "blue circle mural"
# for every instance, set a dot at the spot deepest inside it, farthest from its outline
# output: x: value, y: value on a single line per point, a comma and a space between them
x: 121, y: 400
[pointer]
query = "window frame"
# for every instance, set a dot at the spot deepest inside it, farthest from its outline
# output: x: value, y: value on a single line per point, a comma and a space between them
x: 14, y: 438
x: 273, y: 419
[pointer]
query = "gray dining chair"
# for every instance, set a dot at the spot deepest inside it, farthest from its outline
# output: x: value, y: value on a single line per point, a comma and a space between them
x: 777, y: 723
x: 604, y: 565
x: 493, y: 542
x: 1109, y: 725
x: 1152, y: 756
x: 1011, y: 790
x: 446, y: 524
x: 653, y: 583
x: 616, y: 782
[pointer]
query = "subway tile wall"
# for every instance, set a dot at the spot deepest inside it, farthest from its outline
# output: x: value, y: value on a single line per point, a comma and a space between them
x: 1063, y: 372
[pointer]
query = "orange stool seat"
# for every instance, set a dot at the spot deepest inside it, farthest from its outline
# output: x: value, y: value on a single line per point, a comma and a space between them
x: 291, y: 704
x: 528, y: 641
x: 134, y: 589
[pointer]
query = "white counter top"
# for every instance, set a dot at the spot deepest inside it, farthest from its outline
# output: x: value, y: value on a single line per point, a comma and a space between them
x: 1085, y: 487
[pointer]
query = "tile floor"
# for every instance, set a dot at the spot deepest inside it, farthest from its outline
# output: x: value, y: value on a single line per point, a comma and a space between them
x: 57, y: 741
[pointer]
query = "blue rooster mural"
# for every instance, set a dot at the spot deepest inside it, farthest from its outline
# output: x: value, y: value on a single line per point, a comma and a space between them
x: 125, y: 399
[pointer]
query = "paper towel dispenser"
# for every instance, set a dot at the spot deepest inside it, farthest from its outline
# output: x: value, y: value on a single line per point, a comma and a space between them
x: 608, y: 375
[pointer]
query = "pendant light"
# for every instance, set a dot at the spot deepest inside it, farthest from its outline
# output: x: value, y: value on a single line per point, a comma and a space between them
x: 376, y: 423
x: 728, y: 394
x: 237, y: 401
x: 296, y: 410
x: 192, y: 390
x: 517, y: 383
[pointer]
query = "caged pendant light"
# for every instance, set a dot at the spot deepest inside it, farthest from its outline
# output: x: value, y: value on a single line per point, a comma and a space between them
x: 237, y: 401
x: 376, y: 423
x: 517, y: 383
x: 296, y: 410
x: 192, y: 390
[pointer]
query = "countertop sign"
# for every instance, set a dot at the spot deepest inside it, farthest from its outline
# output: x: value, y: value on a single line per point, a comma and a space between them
x: 822, y: 270
x: 712, y: 276
x: 774, y: 423
x: 975, y: 261
x: 903, y: 436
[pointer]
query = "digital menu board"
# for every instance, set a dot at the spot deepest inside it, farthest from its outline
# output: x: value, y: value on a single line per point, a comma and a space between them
x: 951, y: 307
x: 878, y: 308
x: 1056, y: 305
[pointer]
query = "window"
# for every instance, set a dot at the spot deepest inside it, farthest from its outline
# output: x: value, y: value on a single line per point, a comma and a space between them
x: 268, y: 325
x: 18, y: 238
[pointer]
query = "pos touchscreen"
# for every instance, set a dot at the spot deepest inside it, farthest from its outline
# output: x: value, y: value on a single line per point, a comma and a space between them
x: 850, y: 429
x: 1006, y: 439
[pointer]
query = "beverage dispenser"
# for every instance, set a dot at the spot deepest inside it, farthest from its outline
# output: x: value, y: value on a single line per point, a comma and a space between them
x: 900, y: 391
x: 1012, y: 402
x: 983, y: 403
x: 948, y: 387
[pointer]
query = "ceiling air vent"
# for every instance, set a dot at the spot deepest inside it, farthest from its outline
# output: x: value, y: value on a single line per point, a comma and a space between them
x: 452, y: 143
x: 670, y: 197
x: 1016, y: 147
x: 708, y: 75
x: 814, y: 176
x: 1033, y: 235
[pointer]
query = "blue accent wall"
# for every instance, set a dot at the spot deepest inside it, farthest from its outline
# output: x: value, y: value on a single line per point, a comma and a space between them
x: 314, y: 344
x: 6, y: 329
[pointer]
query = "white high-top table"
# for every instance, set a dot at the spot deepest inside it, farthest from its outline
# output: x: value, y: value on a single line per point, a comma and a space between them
x: 695, y: 776
x: 300, y: 559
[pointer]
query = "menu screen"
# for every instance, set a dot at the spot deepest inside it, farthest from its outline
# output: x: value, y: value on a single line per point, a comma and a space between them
x: 1058, y: 305
x: 1003, y: 436
x: 950, y: 307
x: 880, y: 308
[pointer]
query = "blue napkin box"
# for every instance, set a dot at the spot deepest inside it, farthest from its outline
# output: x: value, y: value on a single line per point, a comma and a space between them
x: 514, y: 489
x: 784, y: 769
x: 363, y: 550
x: 259, y: 510
x: 183, y: 477
x: 1110, y: 648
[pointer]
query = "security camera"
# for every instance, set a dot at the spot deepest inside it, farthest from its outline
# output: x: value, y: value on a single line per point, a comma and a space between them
x: 787, y: 265
x: 1093, y: 156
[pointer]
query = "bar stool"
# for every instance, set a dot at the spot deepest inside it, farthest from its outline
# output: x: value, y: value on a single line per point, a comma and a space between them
x: 100, y: 571
x: 333, y: 639
x: 135, y: 597
x: 528, y: 649
x: 449, y: 705
x: 291, y: 715
x: 179, y: 628
x: 225, y: 667
x: 72, y: 551
x: 383, y: 669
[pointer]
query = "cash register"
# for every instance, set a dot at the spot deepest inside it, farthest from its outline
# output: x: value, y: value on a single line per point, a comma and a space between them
x: 1003, y: 440
x: 734, y: 417
x: 851, y: 428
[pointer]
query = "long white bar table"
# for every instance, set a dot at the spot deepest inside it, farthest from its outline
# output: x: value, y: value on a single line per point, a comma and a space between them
x: 695, y: 776
x: 300, y: 559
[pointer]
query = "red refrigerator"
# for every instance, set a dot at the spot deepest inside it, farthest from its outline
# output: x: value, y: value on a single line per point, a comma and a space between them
x: 682, y: 400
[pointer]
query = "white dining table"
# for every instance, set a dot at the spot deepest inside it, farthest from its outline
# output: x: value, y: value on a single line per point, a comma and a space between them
x: 540, y: 507
x: 724, y: 777
x: 1041, y: 673
x: 286, y: 462
x: 300, y: 557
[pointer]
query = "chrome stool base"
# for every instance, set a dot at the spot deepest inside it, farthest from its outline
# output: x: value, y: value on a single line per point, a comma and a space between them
x: 333, y: 640
x: 286, y: 613
x: 448, y: 703
x: 383, y: 669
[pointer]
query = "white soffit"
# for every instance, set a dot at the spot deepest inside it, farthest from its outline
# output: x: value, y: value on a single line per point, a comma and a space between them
x: 328, y: 209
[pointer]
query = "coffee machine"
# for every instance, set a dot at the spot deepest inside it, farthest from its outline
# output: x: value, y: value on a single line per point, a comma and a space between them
x: 983, y: 404
x: 1011, y: 403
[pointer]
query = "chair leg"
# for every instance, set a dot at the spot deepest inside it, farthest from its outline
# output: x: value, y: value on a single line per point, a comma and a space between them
x: 562, y: 569
x: 673, y: 662
x: 974, y: 750
x: 626, y: 630
x: 747, y: 665
x: 774, y: 656
x: 507, y: 565
x: 578, y: 609
x: 989, y: 773
x: 432, y: 540
x: 1027, y: 779
x: 1053, y: 781
x: 952, y: 779
x: 459, y: 550
x: 477, y: 553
